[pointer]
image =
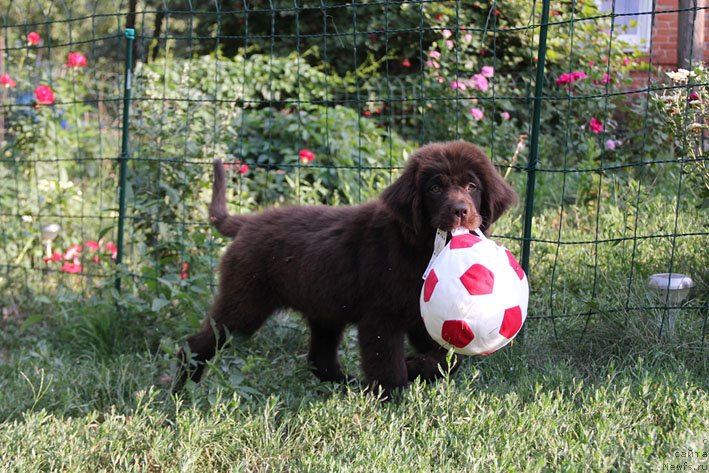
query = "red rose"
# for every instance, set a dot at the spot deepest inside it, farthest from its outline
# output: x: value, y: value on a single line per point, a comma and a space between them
x: 306, y: 155
x: 72, y: 268
x: 44, y: 94
x: 76, y: 60
x: 92, y: 245
x: 33, y: 39
x: 240, y: 167
x: 596, y: 126
x: 7, y: 81
x: 56, y: 256
x: 112, y: 248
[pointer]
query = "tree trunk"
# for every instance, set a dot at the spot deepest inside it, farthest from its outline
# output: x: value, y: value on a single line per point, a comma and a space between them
x: 157, y: 31
x: 690, y: 33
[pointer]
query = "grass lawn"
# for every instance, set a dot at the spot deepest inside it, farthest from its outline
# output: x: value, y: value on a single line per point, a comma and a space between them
x: 98, y: 404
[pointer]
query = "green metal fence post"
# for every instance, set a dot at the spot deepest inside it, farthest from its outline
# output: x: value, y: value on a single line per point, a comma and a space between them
x: 534, y: 137
x: 130, y: 37
x: 534, y: 142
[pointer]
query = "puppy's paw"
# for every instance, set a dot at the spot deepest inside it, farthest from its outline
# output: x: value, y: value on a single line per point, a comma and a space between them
x: 430, y: 366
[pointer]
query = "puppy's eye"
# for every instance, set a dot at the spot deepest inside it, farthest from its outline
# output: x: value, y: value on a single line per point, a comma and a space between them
x: 435, y: 189
x: 472, y: 186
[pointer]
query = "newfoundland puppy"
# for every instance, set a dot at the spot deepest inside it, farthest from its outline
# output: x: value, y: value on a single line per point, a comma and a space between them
x: 359, y: 265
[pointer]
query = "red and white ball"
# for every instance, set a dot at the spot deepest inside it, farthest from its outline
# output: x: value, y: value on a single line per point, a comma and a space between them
x: 475, y: 296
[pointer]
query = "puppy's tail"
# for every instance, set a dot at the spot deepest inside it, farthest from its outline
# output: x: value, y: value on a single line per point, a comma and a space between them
x: 227, y: 225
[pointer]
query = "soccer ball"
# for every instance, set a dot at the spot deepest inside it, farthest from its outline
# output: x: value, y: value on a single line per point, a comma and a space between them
x: 475, y: 295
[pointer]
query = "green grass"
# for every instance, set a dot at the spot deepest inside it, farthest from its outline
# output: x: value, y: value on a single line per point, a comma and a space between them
x: 83, y: 385
x: 603, y: 403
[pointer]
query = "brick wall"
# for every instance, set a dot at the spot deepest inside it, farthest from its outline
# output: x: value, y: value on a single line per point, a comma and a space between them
x: 664, y: 33
x: 664, y: 41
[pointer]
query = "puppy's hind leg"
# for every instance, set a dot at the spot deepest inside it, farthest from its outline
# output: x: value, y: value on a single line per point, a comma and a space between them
x: 240, y: 314
x: 324, y: 341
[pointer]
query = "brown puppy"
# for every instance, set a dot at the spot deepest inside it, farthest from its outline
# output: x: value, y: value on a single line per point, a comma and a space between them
x: 350, y: 265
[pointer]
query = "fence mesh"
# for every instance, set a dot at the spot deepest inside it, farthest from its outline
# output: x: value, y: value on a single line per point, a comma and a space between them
x: 320, y: 103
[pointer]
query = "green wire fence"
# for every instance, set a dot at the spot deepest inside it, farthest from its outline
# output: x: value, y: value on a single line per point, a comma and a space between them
x: 113, y: 112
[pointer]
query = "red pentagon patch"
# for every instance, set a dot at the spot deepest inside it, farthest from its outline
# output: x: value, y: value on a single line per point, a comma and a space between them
x: 466, y: 240
x: 478, y: 280
x: 515, y: 265
x: 429, y: 286
x: 457, y: 333
x: 511, y: 322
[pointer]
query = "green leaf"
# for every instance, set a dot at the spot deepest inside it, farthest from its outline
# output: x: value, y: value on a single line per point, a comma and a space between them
x: 30, y: 321
x: 158, y: 303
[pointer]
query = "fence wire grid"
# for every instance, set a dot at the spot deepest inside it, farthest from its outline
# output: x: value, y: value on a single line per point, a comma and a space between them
x: 112, y: 113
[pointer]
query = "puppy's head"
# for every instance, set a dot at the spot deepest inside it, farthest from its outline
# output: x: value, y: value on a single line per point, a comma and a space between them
x: 449, y: 185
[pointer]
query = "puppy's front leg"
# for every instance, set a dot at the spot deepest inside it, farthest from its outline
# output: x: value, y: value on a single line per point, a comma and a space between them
x: 431, y: 357
x: 382, y: 349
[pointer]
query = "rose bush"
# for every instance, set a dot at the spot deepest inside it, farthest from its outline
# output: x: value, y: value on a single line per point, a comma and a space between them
x: 51, y: 152
x: 685, y: 109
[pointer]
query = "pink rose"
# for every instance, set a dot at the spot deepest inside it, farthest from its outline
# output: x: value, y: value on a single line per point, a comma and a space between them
x: 477, y: 114
x: 478, y: 81
x: 505, y: 115
x: 459, y: 85
x: 569, y: 77
x: 446, y: 34
x: 33, y: 39
x: 434, y: 54
x: 73, y: 252
x: 693, y: 96
x: 595, y: 125
x: 487, y: 71
x: 576, y: 75
x: 44, y: 94
x: 7, y: 81
x: 406, y: 63
x: 76, y: 60
x: 563, y: 79
x: 449, y: 44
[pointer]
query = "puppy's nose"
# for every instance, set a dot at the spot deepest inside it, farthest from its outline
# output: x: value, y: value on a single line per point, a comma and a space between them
x: 461, y: 210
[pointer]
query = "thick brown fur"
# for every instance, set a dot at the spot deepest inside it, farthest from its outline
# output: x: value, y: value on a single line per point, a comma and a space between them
x: 358, y: 265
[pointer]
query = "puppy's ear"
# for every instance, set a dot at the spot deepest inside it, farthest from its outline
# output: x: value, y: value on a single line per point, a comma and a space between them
x: 403, y: 199
x: 498, y: 196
